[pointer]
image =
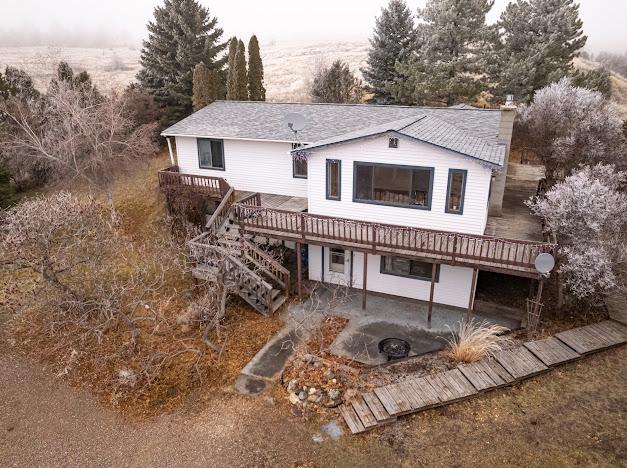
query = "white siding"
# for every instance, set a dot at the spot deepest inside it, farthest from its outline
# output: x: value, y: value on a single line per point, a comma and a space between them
x: 453, y: 287
x: 256, y: 166
x: 411, y: 153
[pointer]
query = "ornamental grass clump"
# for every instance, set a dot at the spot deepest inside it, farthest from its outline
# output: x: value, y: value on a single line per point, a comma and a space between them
x: 475, y: 341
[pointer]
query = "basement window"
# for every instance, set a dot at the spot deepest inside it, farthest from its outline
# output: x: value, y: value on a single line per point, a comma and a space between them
x: 415, y: 269
x: 337, y: 259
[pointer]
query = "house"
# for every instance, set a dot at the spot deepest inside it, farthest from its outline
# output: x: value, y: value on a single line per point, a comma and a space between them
x: 392, y: 199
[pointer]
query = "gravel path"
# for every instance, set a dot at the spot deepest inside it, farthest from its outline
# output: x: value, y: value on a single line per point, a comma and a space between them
x: 44, y: 422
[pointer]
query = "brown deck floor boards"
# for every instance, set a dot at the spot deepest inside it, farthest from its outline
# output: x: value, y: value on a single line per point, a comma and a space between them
x: 485, y: 374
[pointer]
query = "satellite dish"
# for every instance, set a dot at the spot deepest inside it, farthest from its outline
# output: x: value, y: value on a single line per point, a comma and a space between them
x: 544, y: 263
x: 295, y: 121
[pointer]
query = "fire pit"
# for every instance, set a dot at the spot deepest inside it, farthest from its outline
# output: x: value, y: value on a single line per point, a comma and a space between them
x: 394, y: 348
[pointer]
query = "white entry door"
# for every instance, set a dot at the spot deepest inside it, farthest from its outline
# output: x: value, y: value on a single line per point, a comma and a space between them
x: 337, y: 266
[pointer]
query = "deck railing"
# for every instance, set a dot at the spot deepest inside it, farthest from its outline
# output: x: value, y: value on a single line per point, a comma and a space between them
x: 498, y: 254
x: 209, y: 185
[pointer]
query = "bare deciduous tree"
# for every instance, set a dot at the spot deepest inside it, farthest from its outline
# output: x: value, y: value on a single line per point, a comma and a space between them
x: 71, y: 134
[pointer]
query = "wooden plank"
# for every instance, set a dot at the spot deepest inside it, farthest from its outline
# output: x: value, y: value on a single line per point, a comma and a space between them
x: 552, y: 351
x: 364, y: 413
x: 401, y: 399
x: 352, y: 420
x: 485, y: 374
x: 387, y: 400
x: 520, y: 363
x: 414, y: 397
x: 378, y: 410
x: 595, y: 337
x: 425, y: 390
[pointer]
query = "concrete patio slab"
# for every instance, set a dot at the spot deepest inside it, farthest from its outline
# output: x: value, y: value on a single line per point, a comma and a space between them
x: 392, y: 317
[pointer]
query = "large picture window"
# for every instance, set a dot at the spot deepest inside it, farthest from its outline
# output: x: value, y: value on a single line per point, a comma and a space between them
x: 406, y: 186
x: 455, y: 191
x: 416, y: 269
x: 210, y: 154
x: 334, y: 171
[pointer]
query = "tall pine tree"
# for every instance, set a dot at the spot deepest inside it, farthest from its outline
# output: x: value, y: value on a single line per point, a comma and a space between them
x: 182, y: 35
x: 256, y: 90
x: 230, y: 81
x: 241, y: 75
x: 206, y: 86
x: 538, y: 40
x: 392, y: 40
x: 452, y: 41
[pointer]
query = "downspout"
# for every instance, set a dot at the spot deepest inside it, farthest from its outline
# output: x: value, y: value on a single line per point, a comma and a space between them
x: 172, y: 161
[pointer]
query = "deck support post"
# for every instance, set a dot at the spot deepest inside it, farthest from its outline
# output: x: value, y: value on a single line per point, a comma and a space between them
x: 299, y: 272
x: 473, y: 290
x: 365, y: 292
x: 434, y: 269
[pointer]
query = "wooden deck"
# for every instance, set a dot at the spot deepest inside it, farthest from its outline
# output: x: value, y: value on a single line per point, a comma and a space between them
x: 516, y: 221
x: 276, y: 202
x: 515, y: 257
x: 384, y: 404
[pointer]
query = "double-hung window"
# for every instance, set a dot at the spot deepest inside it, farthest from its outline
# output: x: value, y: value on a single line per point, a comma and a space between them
x: 299, y: 163
x: 416, y: 269
x: 455, y: 191
x: 384, y: 184
x: 337, y: 260
x: 210, y: 154
x: 334, y: 175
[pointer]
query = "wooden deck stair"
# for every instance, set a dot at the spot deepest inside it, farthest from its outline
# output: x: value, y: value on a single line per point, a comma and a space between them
x: 386, y: 403
x: 261, y: 281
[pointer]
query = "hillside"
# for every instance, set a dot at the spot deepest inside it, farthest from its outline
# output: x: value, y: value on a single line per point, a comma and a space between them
x: 288, y: 67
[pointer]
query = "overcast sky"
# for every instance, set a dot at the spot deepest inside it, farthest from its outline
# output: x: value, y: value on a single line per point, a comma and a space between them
x: 271, y: 20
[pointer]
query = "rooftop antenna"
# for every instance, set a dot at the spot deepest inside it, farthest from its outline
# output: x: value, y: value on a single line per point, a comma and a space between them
x: 544, y: 264
x: 295, y: 122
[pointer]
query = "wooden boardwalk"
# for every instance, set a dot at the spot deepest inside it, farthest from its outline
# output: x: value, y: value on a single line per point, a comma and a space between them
x: 418, y: 393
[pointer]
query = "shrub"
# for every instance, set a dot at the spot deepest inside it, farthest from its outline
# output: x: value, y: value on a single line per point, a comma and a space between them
x: 475, y: 341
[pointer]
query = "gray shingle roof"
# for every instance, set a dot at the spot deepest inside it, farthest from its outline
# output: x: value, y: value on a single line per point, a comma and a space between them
x: 264, y: 120
x: 428, y: 129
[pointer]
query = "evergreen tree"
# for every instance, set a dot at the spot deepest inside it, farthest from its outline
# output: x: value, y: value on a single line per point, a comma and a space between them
x: 256, y: 90
x: 538, y: 40
x: 182, y: 35
x: 452, y: 40
x: 230, y: 81
x: 241, y: 75
x: 206, y: 86
x: 393, y: 40
x: 336, y: 84
x: 598, y: 79
x: 18, y: 83
x: 81, y: 81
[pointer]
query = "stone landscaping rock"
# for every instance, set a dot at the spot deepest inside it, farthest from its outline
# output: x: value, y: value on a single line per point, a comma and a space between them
x: 312, y: 390
x: 329, y: 374
x: 292, y: 386
x: 293, y: 398
x: 334, y: 393
x: 302, y: 395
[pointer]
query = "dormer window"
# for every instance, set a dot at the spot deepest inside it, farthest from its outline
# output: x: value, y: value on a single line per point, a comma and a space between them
x: 393, y: 142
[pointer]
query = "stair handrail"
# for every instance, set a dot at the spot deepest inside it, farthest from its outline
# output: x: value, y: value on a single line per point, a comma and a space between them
x: 268, y: 262
x: 221, y: 213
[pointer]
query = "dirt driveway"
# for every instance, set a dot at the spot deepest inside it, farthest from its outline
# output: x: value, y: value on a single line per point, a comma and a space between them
x: 575, y: 415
